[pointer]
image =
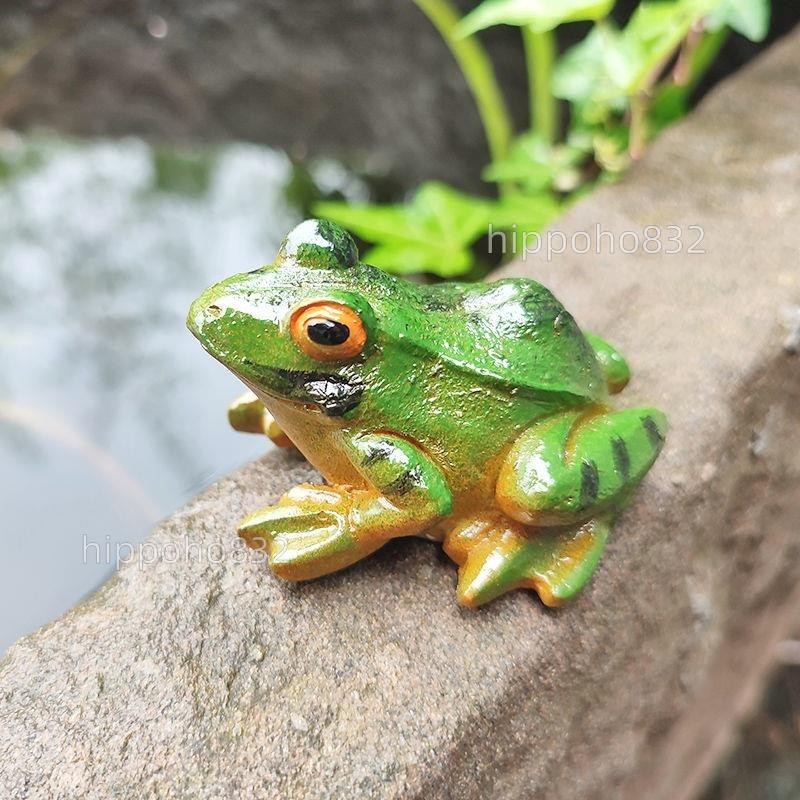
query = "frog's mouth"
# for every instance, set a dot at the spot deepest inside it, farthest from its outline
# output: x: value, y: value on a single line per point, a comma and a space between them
x: 333, y: 395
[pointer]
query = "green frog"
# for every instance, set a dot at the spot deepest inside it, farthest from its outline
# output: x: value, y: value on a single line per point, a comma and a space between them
x: 473, y: 414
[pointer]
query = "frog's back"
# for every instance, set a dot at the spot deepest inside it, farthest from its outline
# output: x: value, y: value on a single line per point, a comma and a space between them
x: 513, y: 331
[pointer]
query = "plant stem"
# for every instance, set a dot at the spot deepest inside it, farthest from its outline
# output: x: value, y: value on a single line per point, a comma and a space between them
x: 640, y: 105
x: 695, y: 58
x: 540, y: 55
x: 704, y: 55
x: 638, y: 132
x: 477, y: 69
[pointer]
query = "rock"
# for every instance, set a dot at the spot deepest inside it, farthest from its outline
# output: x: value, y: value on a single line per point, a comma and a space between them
x: 366, y: 80
x: 195, y: 673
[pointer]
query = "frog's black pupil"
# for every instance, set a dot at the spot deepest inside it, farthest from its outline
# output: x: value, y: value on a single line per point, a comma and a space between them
x: 327, y: 332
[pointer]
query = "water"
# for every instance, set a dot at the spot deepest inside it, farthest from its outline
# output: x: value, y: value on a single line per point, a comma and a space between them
x: 111, y: 414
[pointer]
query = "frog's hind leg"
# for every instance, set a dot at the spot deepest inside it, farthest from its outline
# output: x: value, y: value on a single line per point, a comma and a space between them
x: 496, y: 554
x: 571, y: 466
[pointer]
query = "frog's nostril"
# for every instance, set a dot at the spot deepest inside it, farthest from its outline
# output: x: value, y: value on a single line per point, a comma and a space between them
x: 214, y: 311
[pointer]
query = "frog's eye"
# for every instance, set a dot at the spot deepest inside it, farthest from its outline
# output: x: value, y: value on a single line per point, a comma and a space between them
x: 328, y: 331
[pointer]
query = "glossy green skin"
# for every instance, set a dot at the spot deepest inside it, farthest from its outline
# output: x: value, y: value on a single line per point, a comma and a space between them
x: 459, y: 371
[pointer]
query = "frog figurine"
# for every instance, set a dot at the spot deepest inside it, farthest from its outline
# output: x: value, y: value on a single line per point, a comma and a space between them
x: 473, y: 414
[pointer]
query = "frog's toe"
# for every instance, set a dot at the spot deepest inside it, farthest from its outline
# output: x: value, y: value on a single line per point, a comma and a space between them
x: 295, y: 537
x: 312, y: 531
x: 303, y: 508
x: 321, y: 548
x: 262, y: 526
x: 487, y: 549
x: 559, y: 563
x: 497, y: 555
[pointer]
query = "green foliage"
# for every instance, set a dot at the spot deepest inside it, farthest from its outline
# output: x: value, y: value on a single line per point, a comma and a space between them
x: 525, y: 213
x: 435, y: 230
x: 583, y: 76
x: 651, y: 36
x: 536, y: 166
x: 616, y: 76
x: 599, y: 75
x: 622, y: 85
x: 431, y: 233
x: 748, y: 17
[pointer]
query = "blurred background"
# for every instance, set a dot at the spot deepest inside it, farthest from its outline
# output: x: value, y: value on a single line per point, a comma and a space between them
x: 148, y: 149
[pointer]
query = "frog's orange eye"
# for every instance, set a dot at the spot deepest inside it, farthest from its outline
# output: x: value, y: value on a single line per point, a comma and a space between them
x: 328, y: 331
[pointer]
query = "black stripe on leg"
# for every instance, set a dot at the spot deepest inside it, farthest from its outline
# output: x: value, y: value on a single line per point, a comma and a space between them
x: 590, y: 483
x: 622, y: 458
x: 653, y: 433
x: 403, y: 483
x: 380, y: 451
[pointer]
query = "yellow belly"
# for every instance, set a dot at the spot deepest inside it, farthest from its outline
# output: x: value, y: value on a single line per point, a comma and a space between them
x: 318, y: 438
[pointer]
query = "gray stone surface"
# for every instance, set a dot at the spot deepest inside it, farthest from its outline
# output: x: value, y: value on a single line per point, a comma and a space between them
x: 361, y: 79
x: 208, y: 680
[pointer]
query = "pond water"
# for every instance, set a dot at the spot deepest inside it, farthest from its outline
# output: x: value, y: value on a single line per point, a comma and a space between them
x: 111, y: 414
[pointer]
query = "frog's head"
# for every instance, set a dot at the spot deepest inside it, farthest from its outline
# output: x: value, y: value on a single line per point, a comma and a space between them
x: 301, y: 329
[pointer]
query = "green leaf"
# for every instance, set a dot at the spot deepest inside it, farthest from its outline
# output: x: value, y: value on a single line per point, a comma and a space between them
x: 578, y: 71
x: 408, y: 259
x: 608, y: 67
x: 584, y: 75
x: 521, y: 216
x: 540, y: 15
x: 434, y: 232
x: 654, y: 32
x: 536, y: 165
x: 532, y: 176
x: 748, y: 17
x: 670, y: 104
x: 530, y: 213
x: 529, y: 164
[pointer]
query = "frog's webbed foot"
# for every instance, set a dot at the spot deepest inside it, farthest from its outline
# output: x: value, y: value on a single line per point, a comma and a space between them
x: 314, y: 530
x: 248, y: 414
x: 496, y: 555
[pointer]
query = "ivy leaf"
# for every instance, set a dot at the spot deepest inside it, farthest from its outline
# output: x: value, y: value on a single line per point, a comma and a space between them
x: 669, y: 105
x: 540, y: 15
x: 525, y: 212
x: 410, y: 258
x: 536, y: 165
x: 584, y: 75
x: 608, y: 67
x: 748, y: 17
x: 434, y: 232
x: 518, y: 217
x: 653, y: 32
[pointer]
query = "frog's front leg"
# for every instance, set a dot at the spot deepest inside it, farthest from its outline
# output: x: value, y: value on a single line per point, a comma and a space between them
x: 613, y: 365
x: 248, y: 414
x: 314, y: 530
